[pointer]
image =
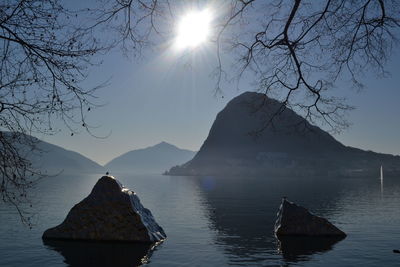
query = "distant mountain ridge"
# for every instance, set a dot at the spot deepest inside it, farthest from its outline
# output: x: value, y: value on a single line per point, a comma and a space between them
x: 283, y: 147
x: 53, y: 159
x: 153, y: 159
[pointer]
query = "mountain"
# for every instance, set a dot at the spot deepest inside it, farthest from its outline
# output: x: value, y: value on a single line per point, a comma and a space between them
x: 49, y: 158
x: 154, y: 159
x: 289, y: 145
x: 54, y: 159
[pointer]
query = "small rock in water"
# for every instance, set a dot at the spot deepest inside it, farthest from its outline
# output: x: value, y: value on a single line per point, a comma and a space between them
x: 396, y: 251
x: 298, y: 221
x: 110, y: 213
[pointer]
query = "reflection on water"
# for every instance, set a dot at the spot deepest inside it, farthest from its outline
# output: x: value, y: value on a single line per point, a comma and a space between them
x: 243, y: 212
x: 101, y: 254
x: 300, y: 248
x: 219, y: 221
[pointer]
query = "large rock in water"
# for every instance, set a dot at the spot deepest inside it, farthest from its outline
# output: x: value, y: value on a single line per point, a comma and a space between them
x: 110, y: 213
x: 294, y: 220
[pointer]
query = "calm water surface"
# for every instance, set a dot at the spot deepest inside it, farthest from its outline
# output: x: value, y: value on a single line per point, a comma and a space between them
x: 218, y: 221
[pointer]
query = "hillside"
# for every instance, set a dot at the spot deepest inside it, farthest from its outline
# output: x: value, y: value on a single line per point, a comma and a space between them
x: 289, y: 145
x: 55, y: 159
x: 153, y: 159
x: 52, y: 159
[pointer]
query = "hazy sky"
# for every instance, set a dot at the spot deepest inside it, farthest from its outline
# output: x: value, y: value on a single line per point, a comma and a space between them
x: 158, y: 98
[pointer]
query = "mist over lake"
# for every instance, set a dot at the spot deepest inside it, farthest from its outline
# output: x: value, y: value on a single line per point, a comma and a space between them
x: 217, y: 221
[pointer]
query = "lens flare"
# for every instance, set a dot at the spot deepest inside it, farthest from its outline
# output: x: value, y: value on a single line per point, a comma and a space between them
x: 193, y: 29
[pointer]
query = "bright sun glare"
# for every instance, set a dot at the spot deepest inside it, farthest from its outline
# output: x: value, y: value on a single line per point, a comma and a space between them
x: 193, y: 29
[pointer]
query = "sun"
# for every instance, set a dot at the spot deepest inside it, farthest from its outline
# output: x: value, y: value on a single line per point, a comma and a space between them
x: 193, y: 29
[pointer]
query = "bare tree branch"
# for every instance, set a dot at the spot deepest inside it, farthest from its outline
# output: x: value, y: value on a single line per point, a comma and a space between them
x: 297, y: 50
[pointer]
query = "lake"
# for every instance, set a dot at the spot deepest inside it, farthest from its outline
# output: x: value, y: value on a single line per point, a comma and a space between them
x: 217, y: 221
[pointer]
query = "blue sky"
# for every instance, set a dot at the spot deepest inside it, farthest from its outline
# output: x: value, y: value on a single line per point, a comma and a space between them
x: 159, y: 99
x: 162, y: 97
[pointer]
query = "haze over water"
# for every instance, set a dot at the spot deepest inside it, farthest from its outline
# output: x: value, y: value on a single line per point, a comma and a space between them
x: 219, y: 221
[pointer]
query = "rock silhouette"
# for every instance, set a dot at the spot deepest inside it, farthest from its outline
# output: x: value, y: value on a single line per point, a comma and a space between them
x: 294, y: 220
x: 110, y: 213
